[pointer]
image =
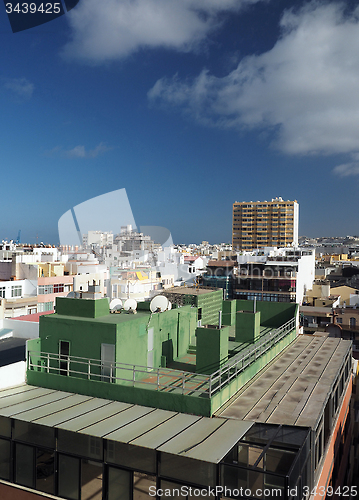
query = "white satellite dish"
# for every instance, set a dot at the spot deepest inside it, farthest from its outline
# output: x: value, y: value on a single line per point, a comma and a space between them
x: 71, y: 295
x: 115, y: 305
x: 130, y: 305
x: 159, y: 304
x: 169, y: 307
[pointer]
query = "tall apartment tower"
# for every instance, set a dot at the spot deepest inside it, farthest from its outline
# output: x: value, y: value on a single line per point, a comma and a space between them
x: 265, y: 224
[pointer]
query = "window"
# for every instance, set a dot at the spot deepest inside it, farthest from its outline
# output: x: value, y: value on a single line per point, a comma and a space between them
x: 141, y: 485
x: 24, y: 467
x: 4, y: 459
x: 45, y: 306
x: 118, y: 484
x: 58, y: 288
x: 45, y: 471
x: 68, y: 477
x: 2, y: 292
x: 16, y: 291
x: 45, y: 289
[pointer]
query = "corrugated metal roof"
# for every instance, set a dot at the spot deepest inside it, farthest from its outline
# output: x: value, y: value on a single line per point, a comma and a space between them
x: 141, y: 426
x: 293, y: 388
x: 166, y: 431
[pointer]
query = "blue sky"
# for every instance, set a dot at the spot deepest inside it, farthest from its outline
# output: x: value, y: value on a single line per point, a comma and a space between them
x: 189, y: 105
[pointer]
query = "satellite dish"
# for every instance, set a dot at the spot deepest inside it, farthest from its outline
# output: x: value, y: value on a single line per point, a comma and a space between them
x: 169, y: 307
x: 115, y: 305
x: 130, y: 305
x: 159, y: 304
x: 71, y: 295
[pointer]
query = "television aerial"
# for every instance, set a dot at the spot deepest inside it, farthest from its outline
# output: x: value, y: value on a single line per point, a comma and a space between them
x: 115, y: 305
x: 159, y: 304
x: 130, y: 305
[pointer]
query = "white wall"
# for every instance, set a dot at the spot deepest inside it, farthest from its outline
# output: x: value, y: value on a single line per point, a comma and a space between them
x: 305, y: 276
x: 22, y: 329
x: 12, y: 375
x: 296, y: 223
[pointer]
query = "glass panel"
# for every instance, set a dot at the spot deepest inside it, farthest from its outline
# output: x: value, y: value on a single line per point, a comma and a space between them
x: 4, y: 459
x: 173, y: 490
x: 69, y: 477
x: 5, y: 427
x: 279, y: 461
x: 24, y: 467
x: 260, y: 433
x: 34, y: 434
x: 141, y: 485
x: 45, y: 471
x: 80, y: 444
x: 188, y: 470
x: 119, y: 484
x: 91, y: 480
x: 291, y: 436
x: 131, y: 456
x: 275, y: 482
x: 233, y: 478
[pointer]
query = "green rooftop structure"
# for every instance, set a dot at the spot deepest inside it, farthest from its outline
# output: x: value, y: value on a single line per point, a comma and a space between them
x: 124, y: 406
x: 150, y: 358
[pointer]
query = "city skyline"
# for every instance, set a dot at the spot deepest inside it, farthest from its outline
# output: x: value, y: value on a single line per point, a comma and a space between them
x: 189, y: 110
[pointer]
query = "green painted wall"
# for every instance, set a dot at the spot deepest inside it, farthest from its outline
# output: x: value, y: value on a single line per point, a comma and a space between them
x: 211, y: 304
x: 273, y: 314
x: 172, y: 331
x: 212, y: 349
x: 174, y: 401
x: 229, y: 312
x: 220, y: 398
x: 127, y: 394
x: 248, y: 326
x: 85, y: 308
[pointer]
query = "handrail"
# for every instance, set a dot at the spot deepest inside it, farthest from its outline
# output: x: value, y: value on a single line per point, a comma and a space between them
x: 164, y: 379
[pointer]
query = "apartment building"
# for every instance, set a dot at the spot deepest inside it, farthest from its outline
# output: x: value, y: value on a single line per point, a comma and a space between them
x: 264, y: 224
x: 116, y: 404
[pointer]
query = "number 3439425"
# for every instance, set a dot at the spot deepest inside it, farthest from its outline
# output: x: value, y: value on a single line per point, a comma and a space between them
x: 343, y: 491
x: 32, y: 8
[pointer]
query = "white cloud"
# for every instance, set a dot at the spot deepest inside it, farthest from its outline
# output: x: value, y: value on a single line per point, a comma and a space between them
x: 305, y: 89
x: 79, y: 151
x: 114, y: 29
x: 347, y: 169
x: 21, y: 87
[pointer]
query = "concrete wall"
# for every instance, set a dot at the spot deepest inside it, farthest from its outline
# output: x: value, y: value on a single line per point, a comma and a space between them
x: 12, y: 375
x: 211, y: 349
x: 273, y: 314
x: 22, y: 329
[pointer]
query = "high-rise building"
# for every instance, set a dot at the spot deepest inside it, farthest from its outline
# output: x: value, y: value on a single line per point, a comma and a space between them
x: 265, y: 224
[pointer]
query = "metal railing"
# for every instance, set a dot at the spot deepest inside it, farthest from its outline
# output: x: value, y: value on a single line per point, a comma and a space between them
x: 159, y: 379
x: 238, y: 363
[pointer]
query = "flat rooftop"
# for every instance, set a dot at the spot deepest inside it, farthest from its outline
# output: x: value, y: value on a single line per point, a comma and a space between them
x: 293, y: 388
x: 190, y: 436
x: 112, y: 318
x: 186, y: 290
